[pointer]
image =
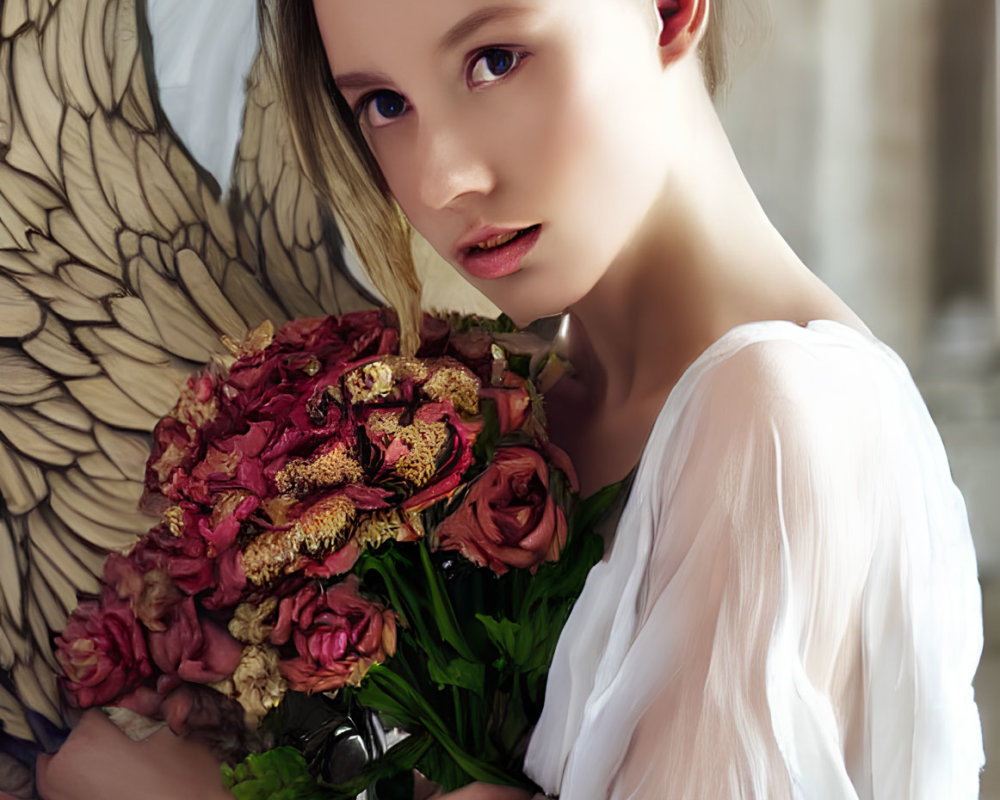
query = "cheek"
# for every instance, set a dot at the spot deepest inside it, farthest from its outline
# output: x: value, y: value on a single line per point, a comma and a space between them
x: 592, y: 160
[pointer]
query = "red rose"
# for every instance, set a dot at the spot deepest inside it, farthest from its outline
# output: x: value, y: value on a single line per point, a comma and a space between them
x: 192, y: 648
x: 102, y: 652
x: 509, y: 518
x: 337, y: 633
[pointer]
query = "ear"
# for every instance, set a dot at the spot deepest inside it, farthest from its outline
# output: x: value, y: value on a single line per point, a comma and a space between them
x: 682, y: 24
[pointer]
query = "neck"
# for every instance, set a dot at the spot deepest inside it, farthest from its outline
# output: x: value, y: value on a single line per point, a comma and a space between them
x: 704, y: 259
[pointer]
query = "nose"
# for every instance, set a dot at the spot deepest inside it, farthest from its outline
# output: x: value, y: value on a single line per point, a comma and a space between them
x: 453, y: 164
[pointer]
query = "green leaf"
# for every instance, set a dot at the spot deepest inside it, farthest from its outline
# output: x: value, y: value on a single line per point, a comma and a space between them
x: 444, y: 614
x: 459, y: 672
x: 278, y: 774
x: 503, y: 633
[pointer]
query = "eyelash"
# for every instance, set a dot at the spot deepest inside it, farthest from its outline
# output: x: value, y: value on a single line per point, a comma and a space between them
x: 362, y: 106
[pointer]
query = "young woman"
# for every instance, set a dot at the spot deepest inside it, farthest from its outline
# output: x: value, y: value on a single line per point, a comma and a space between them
x: 788, y: 607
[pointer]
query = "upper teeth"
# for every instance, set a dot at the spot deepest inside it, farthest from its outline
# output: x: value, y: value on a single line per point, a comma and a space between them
x: 496, y: 241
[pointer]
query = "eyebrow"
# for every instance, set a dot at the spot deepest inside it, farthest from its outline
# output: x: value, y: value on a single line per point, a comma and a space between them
x: 463, y: 29
x: 458, y: 33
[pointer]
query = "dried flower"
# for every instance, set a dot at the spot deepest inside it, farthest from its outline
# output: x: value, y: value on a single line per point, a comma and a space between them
x: 258, y: 684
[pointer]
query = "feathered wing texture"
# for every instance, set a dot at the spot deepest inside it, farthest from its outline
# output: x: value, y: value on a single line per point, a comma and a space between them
x: 120, y: 269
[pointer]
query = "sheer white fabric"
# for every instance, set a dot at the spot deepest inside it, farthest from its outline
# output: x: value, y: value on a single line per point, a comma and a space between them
x: 790, y: 607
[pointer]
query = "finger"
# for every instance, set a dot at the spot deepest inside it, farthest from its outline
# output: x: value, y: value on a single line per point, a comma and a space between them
x: 42, y: 786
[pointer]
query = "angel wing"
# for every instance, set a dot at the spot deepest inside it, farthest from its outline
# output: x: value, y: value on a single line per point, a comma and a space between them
x: 120, y: 269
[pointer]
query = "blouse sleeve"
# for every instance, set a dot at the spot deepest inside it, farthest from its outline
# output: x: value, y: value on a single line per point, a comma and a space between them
x: 798, y: 615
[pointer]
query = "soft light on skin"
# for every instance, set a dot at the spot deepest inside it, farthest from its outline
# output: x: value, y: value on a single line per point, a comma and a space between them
x: 570, y: 138
x: 606, y: 136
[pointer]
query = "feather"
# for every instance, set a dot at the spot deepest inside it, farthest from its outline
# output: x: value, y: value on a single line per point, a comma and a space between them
x: 10, y: 578
x: 282, y: 275
x: 21, y: 375
x: 36, y: 682
x: 121, y: 45
x: 62, y: 549
x: 163, y: 196
x: 182, y: 331
x: 255, y: 305
x: 132, y: 315
x: 11, y: 262
x: 117, y: 175
x: 86, y: 197
x: 200, y: 285
x: 65, y: 437
x: 64, y: 299
x: 93, y: 520
x: 13, y: 17
x: 68, y: 20
x: 65, y: 412
x: 49, y: 40
x: 128, y: 244
x: 13, y: 227
x: 149, y: 247
x: 186, y: 176
x: 308, y: 267
x: 41, y: 110
x: 284, y: 206
x: 130, y: 492
x: 6, y: 112
x: 137, y: 105
x: 56, y: 596
x: 92, y: 34
x: 53, y: 348
x: 98, y: 465
x: 29, y: 197
x: 110, y: 404
x: 22, y: 153
x: 121, y: 342
x: 44, y: 254
x: 88, y: 282
x: 91, y: 558
x: 219, y: 222
x: 11, y: 710
x: 20, y: 314
x: 270, y: 158
x: 29, y: 442
x: 155, y: 387
x: 21, y: 399
x: 22, y: 483
x: 306, y: 215
x: 6, y: 662
x: 127, y: 450
x: 68, y: 233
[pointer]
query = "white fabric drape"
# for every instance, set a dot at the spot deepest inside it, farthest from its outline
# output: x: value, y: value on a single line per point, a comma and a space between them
x: 790, y: 606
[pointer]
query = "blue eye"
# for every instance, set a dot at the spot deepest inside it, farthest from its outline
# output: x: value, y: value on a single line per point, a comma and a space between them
x: 382, y: 107
x: 493, y: 64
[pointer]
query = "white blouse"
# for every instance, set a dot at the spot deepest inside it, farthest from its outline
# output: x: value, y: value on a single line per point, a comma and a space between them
x: 789, y: 608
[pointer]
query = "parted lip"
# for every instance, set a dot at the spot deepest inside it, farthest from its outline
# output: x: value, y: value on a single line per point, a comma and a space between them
x: 482, y: 234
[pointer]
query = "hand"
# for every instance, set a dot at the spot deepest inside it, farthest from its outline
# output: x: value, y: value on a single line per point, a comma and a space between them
x: 98, y: 760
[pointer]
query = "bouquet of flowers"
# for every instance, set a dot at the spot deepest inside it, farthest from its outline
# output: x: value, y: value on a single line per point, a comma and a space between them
x: 346, y: 535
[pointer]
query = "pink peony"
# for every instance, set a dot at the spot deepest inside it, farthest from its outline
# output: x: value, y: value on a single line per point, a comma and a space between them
x: 102, y: 652
x: 509, y: 518
x: 337, y: 634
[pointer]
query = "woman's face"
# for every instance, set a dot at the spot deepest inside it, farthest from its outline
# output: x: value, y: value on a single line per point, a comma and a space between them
x: 495, y: 117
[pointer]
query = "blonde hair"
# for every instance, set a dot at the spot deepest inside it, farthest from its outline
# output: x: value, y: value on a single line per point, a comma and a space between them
x: 336, y: 159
